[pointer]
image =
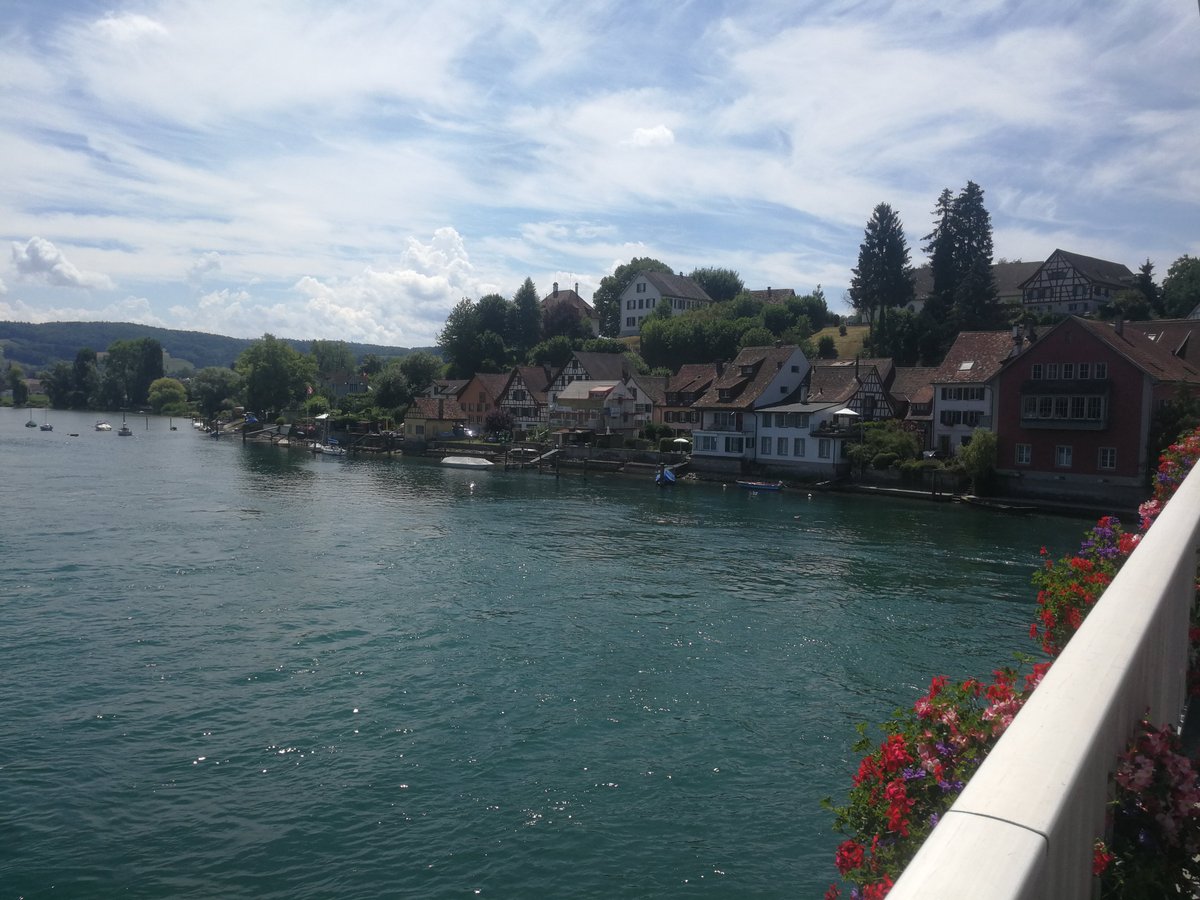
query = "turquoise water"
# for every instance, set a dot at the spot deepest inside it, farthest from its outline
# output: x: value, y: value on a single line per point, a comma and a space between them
x: 237, y: 671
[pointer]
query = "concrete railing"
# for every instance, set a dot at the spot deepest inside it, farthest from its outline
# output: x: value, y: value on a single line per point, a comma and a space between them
x: 1024, y: 825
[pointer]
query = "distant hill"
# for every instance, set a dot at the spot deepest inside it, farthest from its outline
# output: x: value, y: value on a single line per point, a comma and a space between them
x: 37, y: 347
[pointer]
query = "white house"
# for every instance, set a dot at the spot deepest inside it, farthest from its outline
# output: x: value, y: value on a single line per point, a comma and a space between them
x: 648, y: 289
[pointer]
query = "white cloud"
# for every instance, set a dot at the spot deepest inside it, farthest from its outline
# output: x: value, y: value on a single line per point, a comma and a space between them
x: 129, y: 27
x: 39, y: 260
x: 658, y: 136
x: 126, y: 309
x: 206, y: 265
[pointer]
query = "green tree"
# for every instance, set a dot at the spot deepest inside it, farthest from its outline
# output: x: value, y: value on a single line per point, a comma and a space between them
x: 86, y: 379
x: 978, y: 460
x: 421, y: 369
x: 459, y: 340
x: 553, y: 352
x: 525, y: 324
x: 1144, y: 282
x: 976, y: 301
x: 827, y: 347
x: 16, y: 383
x: 493, y: 313
x: 756, y: 337
x: 563, y: 319
x: 214, y: 388
x: 720, y: 284
x: 607, y: 298
x: 274, y: 375
x: 498, y: 421
x: 57, y: 384
x: 882, y: 280
x: 391, y: 388
x: 131, y: 366
x: 1181, y: 287
x: 167, y: 394
x: 939, y: 247
x: 332, y: 358
x: 372, y: 364
x: 813, y: 306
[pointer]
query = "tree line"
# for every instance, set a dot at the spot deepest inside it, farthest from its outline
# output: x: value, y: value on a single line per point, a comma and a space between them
x: 964, y: 295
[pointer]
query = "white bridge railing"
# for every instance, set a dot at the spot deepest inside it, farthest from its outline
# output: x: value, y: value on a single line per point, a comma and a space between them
x: 1024, y: 825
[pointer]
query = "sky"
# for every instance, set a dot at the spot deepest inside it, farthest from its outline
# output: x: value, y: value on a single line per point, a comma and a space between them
x: 351, y: 170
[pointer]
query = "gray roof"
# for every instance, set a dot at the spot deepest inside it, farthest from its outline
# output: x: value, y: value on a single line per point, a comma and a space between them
x: 675, y: 286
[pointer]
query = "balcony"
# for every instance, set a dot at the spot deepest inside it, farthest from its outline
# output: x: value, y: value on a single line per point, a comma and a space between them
x: 1023, y: 827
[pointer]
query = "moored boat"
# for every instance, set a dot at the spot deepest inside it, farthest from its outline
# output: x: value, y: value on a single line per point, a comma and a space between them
x: 103, y: 426
x: 466, y: 462
x: 761, y: 485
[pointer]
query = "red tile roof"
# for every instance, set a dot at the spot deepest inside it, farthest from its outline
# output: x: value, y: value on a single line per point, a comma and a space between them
x: 975, y: 356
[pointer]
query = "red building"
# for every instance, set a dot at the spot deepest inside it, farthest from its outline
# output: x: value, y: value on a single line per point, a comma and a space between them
x: 1074, y: 409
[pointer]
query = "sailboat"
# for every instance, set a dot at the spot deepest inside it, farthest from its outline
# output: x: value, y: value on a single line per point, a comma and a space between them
x: 124, y: 430
x: 46, y: 426
x: 31, y: 423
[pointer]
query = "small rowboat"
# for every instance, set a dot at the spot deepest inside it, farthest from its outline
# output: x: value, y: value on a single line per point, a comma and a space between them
x: 761, y: 485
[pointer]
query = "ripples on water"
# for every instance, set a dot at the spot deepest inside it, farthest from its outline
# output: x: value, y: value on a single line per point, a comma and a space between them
x: 246, y: 672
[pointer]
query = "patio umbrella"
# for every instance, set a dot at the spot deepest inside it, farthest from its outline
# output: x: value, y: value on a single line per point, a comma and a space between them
x: 681, y: 441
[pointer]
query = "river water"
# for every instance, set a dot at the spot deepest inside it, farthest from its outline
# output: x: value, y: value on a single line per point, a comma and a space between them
x: 234, y: 671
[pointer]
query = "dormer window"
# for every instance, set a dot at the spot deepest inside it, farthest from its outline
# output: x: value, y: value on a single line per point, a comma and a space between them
x: 747, y: 370
x: 724, y: 395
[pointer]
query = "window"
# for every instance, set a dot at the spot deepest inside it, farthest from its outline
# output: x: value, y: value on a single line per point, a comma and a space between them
x: 1068, y: 370
x: 1029, y: 404
x: 823, y: 448
x: 1077, y: 404
x: 641, y: 302
x: 1085, y: 371
x: 708, y: 443
x: 781, y: 446
x: 797, y: 446
x: 734, y: 444
x: 796, y: 369
x: 1060, y: 407
x: 420, y: 429
x: 1095, y: 407
x: 764, y: 446
x: 1052, y: 371
x: 630, y: 322
x: 1108, y: 458
x: 1101, y: 370
x: 641, y: 288
x: 1024, y: 454
x: 1045, y: 407
x: 1062, y: 456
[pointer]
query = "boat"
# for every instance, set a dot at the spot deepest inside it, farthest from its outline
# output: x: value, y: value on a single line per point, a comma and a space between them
x: 467, y: 462
x: 665, y: 476
x: 761, y: 485
x: 103, y: 426
x: 31, y: 423
x: 124, y: 430
x: 46, y: 426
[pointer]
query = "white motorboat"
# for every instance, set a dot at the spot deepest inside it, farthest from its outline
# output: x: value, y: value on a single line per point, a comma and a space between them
x: 466, y: 462
x: 103, y: 426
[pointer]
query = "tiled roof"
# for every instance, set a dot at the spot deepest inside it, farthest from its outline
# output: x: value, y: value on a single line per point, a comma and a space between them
x: 585, y: 390
x: 535, y: 378
x: 493, y: 382
x: 446, y: 387
x: 1180, y: 336
x: 885, y: 366
x: 1153, y: 359
x: 604, y: 366
x: 436, y: 408
x: 675, y: 286
x: 832, y: 384
x: 654, y: 386
x: 913, y: 381
x: 692, y: 378
x: 1101, y: 271
x: 570, y: 297
x: 1009, y: 278
x: 974, y: 357
x: 762, y: 362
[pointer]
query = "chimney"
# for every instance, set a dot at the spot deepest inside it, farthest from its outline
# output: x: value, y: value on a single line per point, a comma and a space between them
x: 555, y: 294
x: 577, y: 287
x: 441, y: 408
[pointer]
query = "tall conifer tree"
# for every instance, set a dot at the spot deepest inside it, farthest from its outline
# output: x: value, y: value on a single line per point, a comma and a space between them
x: 882, y: 280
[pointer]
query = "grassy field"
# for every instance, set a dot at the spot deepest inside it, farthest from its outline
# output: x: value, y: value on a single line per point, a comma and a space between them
x: 849, y: 345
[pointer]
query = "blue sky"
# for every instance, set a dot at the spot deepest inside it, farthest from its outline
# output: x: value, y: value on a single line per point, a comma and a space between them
x: 351, y: 170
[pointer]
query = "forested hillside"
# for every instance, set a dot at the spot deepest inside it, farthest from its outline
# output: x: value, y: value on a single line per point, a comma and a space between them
x: 37, y: 347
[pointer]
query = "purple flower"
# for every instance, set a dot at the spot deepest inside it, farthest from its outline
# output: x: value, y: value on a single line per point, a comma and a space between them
x: 948, y: 786
x: 933, y: 820
x: 913, y: 774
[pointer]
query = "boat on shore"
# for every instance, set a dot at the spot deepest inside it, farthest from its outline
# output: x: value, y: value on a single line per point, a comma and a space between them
x: 665, y: 476
x: 467, y: 462
x: 760, y: 485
